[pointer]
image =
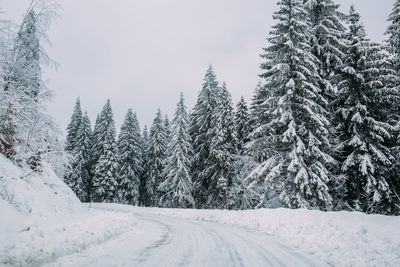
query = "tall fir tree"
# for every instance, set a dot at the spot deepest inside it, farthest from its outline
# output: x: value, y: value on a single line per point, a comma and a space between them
x: 24, y: 125
x: 78, y: 175
x: 106, y: 167
x: 73, y: 127
x: 129, y: 159
x: 200, y: 131
x: 24, y: 73
x: 176, y: 189
x: 242, y: 127
x: 298, y: 128
x: 219, y: 164
x: 361, y: 133
x: 155, y: 159
x: 143, y: 176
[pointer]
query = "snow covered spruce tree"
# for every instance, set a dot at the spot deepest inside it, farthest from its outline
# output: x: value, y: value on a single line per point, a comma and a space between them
x: 70, y: 144
x: 78, y: 176
x: 143, y: 175
x: 298, y: 128
x: 363, y: 154
x: 155, y: 159
x: 200, y: 131
x: 25, y: 126
x: 129, y: 159
x: 106, y: 167
x: 242, y: 128
x: 219, y: 164
x: 73, y: 127
x: 176, y: 189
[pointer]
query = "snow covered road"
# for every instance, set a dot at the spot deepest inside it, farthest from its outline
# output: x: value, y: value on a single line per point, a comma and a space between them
x: 157, y: 240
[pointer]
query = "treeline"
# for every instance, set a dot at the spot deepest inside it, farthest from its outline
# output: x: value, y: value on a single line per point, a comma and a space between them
x: 28, y: 134
x: 322, y: 130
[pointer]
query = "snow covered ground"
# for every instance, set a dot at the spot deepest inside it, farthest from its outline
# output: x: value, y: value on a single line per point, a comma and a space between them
x: 41, y: 219
x: 43, y: 223
x: 339, y: 238
x: 160, y: 240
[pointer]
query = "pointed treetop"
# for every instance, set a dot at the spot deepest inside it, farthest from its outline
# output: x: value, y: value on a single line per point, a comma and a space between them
x: 210, y: 79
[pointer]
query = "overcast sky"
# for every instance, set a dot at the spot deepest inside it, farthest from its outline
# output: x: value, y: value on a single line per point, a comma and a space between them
x: 142, y: 54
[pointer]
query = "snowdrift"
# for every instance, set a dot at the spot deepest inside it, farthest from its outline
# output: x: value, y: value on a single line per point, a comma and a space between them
x: 339, y: 238
x: 41, y: 218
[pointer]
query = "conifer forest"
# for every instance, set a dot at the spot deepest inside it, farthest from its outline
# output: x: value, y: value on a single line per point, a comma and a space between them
x: 320, y: 132
x: 301, y: 168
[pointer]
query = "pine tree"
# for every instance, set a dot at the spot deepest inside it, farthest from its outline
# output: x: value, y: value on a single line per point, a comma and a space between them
x: 362, y: 135
x: 24, y: 125
x: 177, y: 187
x: 130, y: 159
x: 78, y: 175
x: 105, y: 170
x: 25, y: 72
x: 297, y: 130
x: 219, y: 165
x: 242, y: 125
x: 155, y: 158
x: 73, y: 127
x: 200, y: 131
x: 143, y: 196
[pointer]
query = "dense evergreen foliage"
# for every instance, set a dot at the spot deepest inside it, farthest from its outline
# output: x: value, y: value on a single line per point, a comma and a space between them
x: 129, y: 159
x: 156, y: 150
x: 105, y: 183
x: 176, y: 189
x: 321, y: 131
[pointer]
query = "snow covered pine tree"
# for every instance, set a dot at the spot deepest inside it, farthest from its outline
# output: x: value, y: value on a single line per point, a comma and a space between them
x: 177, y: 187
x: 298, y: 130
x: 130, y: 159
x: 200, y: 130
x: 361, y: 133
x: 155, y: 159
x: 105, y: 169
x: 78, y: 176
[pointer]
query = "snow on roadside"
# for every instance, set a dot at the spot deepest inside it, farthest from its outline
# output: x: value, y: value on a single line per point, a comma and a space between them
x: 339, y: 238
x: 41, y: 219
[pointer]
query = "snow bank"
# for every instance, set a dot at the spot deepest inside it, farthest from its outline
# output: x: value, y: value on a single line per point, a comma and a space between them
x: 339, y: 238
x: 41, y: 219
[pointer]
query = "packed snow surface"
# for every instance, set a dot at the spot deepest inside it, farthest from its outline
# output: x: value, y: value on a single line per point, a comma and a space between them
x: 339, y: 238
x: 43, y: 224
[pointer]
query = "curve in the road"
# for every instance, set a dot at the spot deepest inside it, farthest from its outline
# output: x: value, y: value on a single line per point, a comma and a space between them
x: 168, y: 241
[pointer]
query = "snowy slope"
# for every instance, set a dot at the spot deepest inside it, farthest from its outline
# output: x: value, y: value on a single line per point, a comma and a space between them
x: 41, y: 219
x: 339, y: 238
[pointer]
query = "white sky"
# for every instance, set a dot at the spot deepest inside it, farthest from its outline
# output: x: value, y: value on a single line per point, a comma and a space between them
x: 142, y: 54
